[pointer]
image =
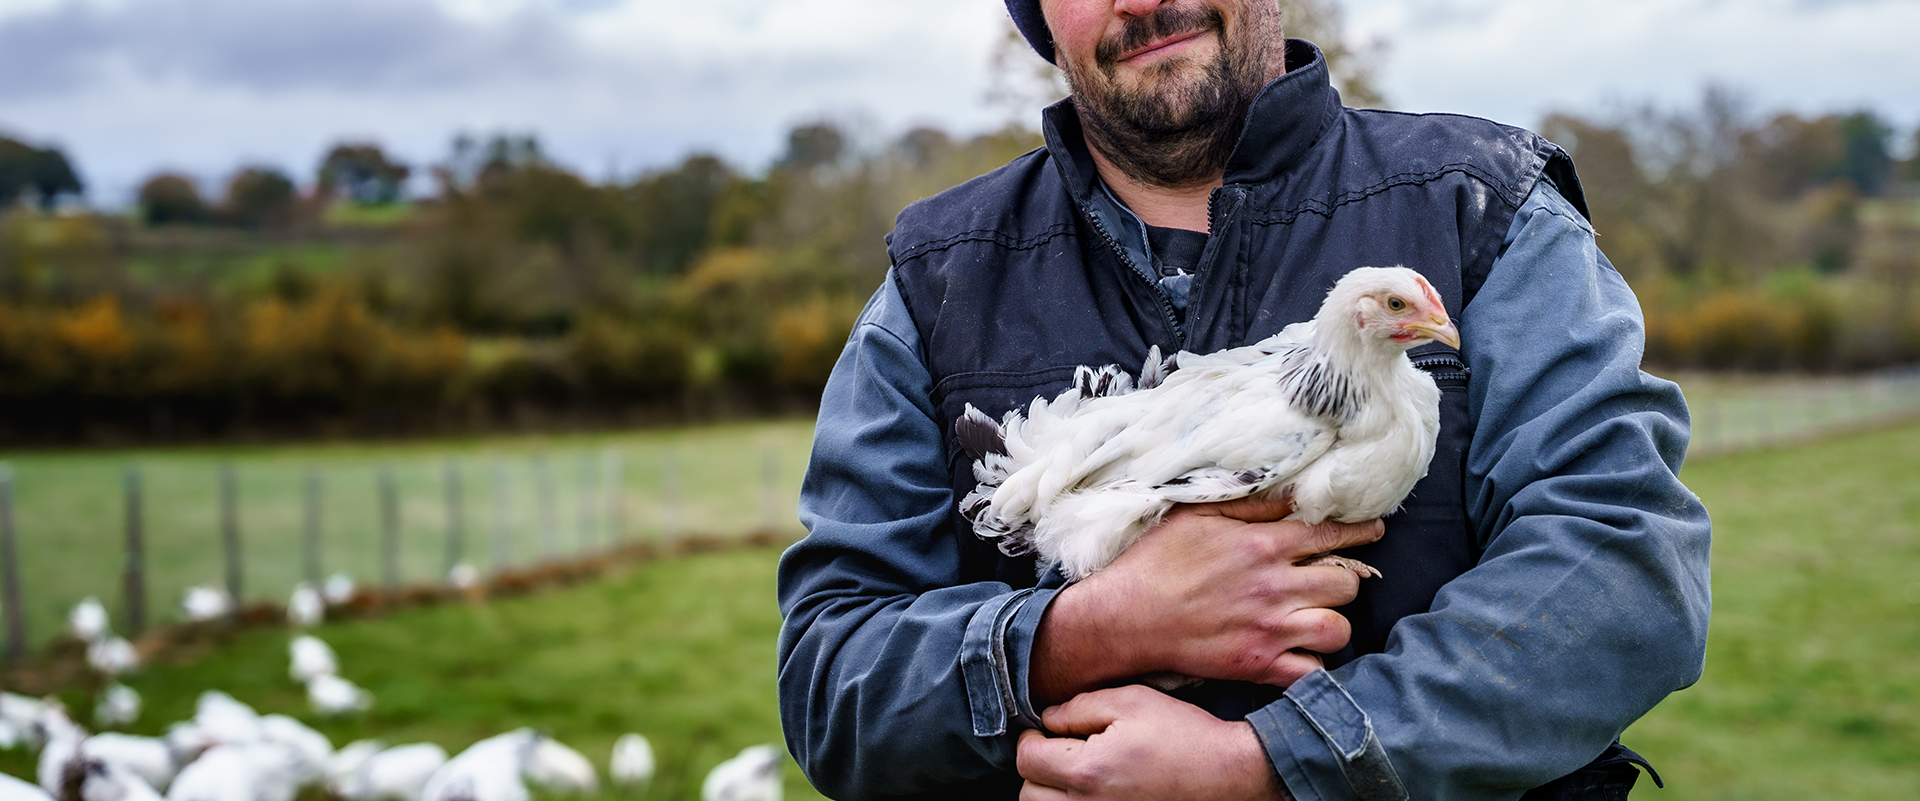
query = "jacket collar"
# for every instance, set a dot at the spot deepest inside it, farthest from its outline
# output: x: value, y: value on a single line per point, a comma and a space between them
x: 1287, y: 119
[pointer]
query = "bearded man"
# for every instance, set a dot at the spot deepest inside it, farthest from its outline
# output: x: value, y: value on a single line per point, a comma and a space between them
x: 1545, y: 584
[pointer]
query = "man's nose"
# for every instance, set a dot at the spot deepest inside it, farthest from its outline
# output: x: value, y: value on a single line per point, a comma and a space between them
x: 1136, y: 8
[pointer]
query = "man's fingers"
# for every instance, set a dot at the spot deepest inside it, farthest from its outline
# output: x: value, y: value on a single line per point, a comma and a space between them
x: 1046, y: 761
x: 1252, y: 509
x: 1040, y: 792
x: 1321, y: 631
x: 1332, y: 536
x: 1090, y: 713
x: 1292, y: 666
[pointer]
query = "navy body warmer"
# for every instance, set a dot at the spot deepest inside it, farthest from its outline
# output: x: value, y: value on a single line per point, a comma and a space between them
x: 1015, y: 278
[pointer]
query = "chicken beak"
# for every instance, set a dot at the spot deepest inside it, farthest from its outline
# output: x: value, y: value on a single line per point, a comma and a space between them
x: 1437, y: 328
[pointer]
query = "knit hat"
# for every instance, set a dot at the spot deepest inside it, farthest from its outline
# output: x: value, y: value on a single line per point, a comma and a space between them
x: 1027, y: 17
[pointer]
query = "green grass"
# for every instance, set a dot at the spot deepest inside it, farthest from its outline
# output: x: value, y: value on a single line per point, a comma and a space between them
x: 69, y: 506
x: 1812, y: 686
x: 680, y: 650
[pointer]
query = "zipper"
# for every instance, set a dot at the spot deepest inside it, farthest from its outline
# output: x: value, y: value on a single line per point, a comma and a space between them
x: 1444, y: 366
x: 1217, y: 215
x: 1160, y: 296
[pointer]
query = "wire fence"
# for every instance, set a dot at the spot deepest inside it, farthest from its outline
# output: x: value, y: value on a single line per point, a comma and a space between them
x: 138, y: 532
x: 1741, y: 413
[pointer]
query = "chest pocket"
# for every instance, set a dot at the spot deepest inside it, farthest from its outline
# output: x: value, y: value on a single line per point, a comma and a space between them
x: 994, y: 393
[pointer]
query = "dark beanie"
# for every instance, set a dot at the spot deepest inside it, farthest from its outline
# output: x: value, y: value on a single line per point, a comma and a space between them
x: 1027, y: 17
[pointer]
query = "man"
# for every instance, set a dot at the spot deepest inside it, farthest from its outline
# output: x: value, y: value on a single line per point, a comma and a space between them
x: 1546, y: 583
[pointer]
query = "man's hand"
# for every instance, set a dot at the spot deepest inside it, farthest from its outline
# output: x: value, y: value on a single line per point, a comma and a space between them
x: 1135, y: 742
x: 1213, y: 592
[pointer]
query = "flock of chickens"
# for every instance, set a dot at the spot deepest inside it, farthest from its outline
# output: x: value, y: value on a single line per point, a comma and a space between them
x: 229, y: 752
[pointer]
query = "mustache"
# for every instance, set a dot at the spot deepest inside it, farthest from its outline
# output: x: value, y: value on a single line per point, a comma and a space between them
x: 1167, y: 20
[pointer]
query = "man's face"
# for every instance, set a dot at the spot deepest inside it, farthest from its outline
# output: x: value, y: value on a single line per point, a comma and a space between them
x: 1164, y: 84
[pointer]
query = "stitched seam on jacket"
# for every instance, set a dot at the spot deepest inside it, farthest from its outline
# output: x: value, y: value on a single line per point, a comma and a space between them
x: 986, y: 235
x: 1326, y: 209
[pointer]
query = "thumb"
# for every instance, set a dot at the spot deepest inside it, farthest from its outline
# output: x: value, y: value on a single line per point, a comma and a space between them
x: 1091, y: 713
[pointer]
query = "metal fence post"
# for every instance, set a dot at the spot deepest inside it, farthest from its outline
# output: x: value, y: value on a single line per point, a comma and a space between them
x: 456, y: 516
x: 616, y: 496
x: 133, y: 576
x: 389, y: 528
x: 586, y: 494
x: 502, y: 517
x: 230, y: 529
x: 769, y: 488
x: 545, y: 517
x: 310, y: 531
x: 10, y: 576
x: 670, y: 494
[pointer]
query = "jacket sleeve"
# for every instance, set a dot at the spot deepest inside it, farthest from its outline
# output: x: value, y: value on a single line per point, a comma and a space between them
x: 1590, y: 602
x: 893, y: 675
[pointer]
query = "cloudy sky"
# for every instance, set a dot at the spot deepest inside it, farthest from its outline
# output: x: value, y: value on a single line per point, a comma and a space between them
x: 612, y: 87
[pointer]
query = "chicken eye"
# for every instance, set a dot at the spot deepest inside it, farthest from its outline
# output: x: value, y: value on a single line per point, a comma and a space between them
x: 1396, y: 304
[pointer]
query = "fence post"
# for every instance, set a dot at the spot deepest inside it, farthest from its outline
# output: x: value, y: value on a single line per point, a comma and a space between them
x: 16, y: 617
x: 230, y: 529
x: 456, y: 516
x: 587, y: 497
x: 769, y: 487
x: 310, y: 533
x: 543, y: 505
x: 389, y: 529
x: 616, y: 496
x: 502, y: 517
x: 670, y: 494
x: 133, y: 576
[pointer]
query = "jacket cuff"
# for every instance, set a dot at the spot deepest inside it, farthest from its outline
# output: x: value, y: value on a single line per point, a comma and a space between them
x: 984, y: 665
x: 1322, y: 744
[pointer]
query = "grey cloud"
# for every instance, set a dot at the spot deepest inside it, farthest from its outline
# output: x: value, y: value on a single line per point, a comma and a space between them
x: 340, y: 45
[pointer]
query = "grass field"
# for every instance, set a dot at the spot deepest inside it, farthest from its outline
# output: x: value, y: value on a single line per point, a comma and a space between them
x: 70, y: 509
x: 680, y: 650
x: 1812, y: 687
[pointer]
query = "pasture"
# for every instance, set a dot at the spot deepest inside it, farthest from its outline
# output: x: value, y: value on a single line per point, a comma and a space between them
x: 1810, y: 687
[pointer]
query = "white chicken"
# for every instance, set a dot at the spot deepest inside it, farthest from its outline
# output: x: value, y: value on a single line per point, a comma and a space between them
x: 338, y: 589
x: 1330, y: 413
x: 752, y: 775
x: 112, y: 656
x: 331, y: 695
x: 399, y: 773
x: 305, y: 607
x: 206, y: 602
x: 632, y: 761
x: 310, y: 657
x: 117, y: 706
x: 88, y: 620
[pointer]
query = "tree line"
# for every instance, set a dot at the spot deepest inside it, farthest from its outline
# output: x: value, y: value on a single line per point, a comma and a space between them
x: 519, y: 293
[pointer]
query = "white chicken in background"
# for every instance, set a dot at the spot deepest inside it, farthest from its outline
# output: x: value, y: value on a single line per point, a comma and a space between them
x: 310, y: 657
x: 331, y: 696
x: 245, y: 771
x: 205, y: 602
x: 113, y: 656
x: 224, y: 719
x: 489, y: 770
x: 752, y: 775
x: 399, y: 773
x: 305, y: 607
x: 21, y: 721
x: 1330, y: 413
x: 310, y: 749
x: 118, y: 706
x: 348, y: 759
x: 147, y: 757
x: 88, y: 620
x: 499, y: 768
x: 338, y: 589
x: 552, y: 765
x: 632, y: 763
x: 12, y: 789
x: 463, y: 576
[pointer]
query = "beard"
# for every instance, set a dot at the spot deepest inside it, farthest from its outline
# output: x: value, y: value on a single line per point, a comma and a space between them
x: 1178, y: 126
